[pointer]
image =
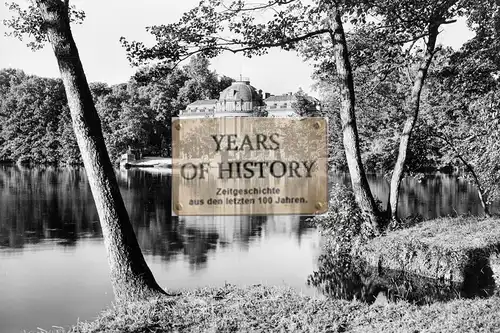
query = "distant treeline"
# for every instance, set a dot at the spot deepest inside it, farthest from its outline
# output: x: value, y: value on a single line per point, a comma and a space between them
x: 36, y: 128
x: 35, y: 123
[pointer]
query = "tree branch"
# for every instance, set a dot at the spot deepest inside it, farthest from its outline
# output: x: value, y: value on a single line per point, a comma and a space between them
x: 413, y: 39
x: 238, y: 46
x: 263, y: 6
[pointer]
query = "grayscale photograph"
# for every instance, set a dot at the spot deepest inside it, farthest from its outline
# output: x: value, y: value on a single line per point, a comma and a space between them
x: 249, y: 166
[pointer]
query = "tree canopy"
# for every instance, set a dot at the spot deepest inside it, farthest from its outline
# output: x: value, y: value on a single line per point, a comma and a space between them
x: 36, y: 125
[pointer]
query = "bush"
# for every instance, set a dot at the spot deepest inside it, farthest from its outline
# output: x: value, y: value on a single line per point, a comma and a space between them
x: 343, y: 225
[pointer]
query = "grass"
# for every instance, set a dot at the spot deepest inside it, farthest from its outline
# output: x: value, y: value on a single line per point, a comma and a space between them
x: 280, y: 309
x: 458, y: 233
x: 445, y: 248
x: 442, y: 247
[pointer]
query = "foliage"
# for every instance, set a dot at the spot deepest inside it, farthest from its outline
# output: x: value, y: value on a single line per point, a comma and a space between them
x: 28, y: 22
x: 216, y: 26
x: 342, y: 231
x: 343, y: 224
x: 31, y: 111
x: 136, y: 114
x: 260, y: 112
x: 385, y: 50
x: 36, y: 124
x: 464, y: 110
x: 385, y: 55
x: 304, y: 105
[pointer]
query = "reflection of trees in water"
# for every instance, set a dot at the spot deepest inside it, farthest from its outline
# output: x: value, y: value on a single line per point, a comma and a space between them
x: 342, y: 278
x: 148, y: 199
x: 430, y: 196
x: 42, y: 203
x: 195, y: 237
x: 48, y: 203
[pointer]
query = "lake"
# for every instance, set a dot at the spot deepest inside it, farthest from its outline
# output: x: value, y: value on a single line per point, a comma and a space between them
x: 53, y: 268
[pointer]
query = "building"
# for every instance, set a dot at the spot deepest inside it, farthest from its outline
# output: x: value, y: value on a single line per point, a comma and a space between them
x: 281, y: 105
x: 242, y: 100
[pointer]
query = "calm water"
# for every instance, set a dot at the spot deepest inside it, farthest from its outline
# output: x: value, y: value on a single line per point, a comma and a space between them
x: 53, y: 267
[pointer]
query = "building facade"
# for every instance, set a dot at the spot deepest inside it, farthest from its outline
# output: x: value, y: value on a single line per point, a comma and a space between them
x: 242, y: 100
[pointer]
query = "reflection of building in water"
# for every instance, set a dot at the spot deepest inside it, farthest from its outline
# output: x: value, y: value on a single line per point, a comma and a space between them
x: 230, y: 229
x: 243, y: 100
x: 241, y: 230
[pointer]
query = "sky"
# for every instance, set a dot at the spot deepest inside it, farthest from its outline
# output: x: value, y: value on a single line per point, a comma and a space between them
x: 104, y: 59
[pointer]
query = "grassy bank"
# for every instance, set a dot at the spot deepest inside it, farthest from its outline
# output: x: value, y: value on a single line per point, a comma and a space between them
x: 443, y: 248
x: 450, y: 249
x: 278, y: 309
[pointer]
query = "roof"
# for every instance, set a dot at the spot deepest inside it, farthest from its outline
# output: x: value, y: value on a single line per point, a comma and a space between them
x: 240, y: 91
x: 280, y: 98
x: 288, y: 97
x: 204, y: 102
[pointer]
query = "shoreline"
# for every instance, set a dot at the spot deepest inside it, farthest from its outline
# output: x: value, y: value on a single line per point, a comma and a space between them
x: 260, y: 308
x: 148, y: 162
x: 458, y: 249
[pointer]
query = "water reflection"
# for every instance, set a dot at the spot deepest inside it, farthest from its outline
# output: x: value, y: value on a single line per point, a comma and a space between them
x: 345, y: 279
x: 36, y: 205
x: 52, y: 204
x: 430, y: 196
x: 52, y: 256
x: 148, y: 198
x: 45, y: 203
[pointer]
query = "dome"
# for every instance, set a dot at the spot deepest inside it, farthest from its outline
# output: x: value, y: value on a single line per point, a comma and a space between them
x: 240, y: 91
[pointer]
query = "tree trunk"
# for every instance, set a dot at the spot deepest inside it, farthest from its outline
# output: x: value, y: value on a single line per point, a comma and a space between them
x: 481, y: 195
x: 496, y: 19
x: 480, y: 191
x: 470, y: 169
x: 359, y: 182
x: 130, y: 276
x: 413, y: 107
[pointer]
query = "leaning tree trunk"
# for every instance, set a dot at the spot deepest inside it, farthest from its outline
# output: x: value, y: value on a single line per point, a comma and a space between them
x: 496, y: 19
x: 480, y: 190
x: 413, y: 107
x: 130, y: 276
x: 360, y: 186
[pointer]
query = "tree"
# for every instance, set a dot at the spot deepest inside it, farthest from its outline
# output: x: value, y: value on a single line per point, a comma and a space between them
x: 421, y: 20
x: 170, y: 90
x: 391, y: 37
x: 395, y: 39
x: 31, y: 108
x: 359, y: 181
x: 380, y: 89
x: 200, y: 31
x: 465, y: 106
x: 162, y: 89
x: 49, y: 20
x: 396, y: 27
x: 304, y: 105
